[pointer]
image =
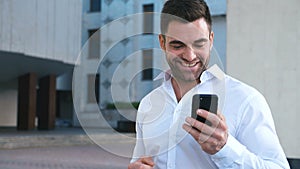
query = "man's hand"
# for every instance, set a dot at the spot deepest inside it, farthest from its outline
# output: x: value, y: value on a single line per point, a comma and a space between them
x: 142, y: 163
x: 211, y: 138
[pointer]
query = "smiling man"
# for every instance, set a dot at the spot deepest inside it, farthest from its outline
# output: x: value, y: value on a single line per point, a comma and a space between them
x: 187, y: 47
x: 167, y: 135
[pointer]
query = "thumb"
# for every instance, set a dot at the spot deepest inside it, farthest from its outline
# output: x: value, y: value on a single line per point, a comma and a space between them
x: 148, y: 161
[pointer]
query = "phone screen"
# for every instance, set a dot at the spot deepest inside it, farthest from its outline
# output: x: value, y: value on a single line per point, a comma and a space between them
x: 208, y: 102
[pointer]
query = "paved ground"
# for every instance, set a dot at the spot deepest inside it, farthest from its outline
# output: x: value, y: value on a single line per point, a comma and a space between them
x: 63, y: 149
x: 71, y: 157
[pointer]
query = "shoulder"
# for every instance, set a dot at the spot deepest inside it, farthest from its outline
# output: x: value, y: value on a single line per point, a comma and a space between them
x: 245, y: 96
x: 240, y: 89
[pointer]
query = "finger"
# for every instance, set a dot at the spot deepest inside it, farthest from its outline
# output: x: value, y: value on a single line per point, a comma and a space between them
x: 207, y: 139
x: 222, y: 123
x: 198, y: 136
x: 218, y: 132
x: 194, y: 123
x: 139, y: 165
x: 147, y: 161
x: 211, y: 117
x: 192, y: 131
x: 200, y: 126
x: 222, y: 117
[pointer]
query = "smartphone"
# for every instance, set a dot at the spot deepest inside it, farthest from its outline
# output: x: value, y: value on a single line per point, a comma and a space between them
x: 208, y: 102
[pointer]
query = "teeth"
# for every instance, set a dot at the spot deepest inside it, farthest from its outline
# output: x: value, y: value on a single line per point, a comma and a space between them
x: 189, y: 64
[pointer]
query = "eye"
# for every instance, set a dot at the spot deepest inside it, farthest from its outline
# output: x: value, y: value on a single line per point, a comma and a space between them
x: 200, y: 45
x: 177, y: 47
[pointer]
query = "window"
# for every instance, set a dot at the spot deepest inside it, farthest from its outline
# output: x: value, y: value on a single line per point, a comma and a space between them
x: 147, y: 64
x: 148, y: 18
x: 93, y: 88
x: 95, y: 5
x: 94, y: 44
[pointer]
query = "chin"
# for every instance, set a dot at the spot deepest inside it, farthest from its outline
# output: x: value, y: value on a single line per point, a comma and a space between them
x: 189, y: 79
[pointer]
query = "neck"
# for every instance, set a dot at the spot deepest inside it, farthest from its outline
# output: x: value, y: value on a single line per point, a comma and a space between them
x: 182, y: 87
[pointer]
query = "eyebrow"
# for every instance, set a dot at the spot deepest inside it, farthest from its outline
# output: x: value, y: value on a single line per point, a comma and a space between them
x: 176, y: 42
x: 201, y: 40
x: 180, y: 42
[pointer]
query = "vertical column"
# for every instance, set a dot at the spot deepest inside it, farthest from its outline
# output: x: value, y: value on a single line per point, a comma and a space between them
x: 47, y: 103
x: 26, y: 101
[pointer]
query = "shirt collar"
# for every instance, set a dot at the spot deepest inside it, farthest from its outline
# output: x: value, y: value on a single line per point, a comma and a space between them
x: 212, y: 72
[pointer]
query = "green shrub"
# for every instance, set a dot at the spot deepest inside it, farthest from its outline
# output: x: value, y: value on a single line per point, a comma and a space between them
x: 122, y: 105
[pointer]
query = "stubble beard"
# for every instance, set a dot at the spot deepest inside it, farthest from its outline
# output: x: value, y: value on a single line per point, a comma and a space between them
x: 187, y: 76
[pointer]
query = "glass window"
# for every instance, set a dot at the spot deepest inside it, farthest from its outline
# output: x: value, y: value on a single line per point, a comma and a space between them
x: 148, y: 18
x: 93, y: 88
x: 147, y: 64
x: 94, y: 44
x: 95, y: 5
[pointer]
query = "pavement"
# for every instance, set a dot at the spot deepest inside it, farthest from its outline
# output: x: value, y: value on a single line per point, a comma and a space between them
x: 65, y: 148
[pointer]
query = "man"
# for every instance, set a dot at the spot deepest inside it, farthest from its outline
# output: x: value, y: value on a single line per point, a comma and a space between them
x: 167, y: 137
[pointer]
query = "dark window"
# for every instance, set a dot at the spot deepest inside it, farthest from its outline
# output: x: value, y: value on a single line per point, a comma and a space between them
x: 93, y: 88
x: 95, y: 5
x: 147, y: 64
x: 148, y: 18
x: 94, y: 44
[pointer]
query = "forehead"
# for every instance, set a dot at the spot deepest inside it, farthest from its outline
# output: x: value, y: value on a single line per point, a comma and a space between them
x: 188, y: 31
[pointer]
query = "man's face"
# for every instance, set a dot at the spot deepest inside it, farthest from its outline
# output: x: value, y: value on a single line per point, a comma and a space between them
x: 187, y: 47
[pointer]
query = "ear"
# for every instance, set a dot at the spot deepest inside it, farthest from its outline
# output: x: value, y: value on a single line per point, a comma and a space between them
x: 162, y: 42
x: 211, y: 39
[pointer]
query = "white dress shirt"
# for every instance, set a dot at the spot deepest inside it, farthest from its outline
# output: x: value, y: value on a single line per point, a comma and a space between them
x: 252, y: 141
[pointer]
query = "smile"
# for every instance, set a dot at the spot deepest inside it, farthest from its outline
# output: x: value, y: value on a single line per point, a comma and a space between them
x: 189, y: 64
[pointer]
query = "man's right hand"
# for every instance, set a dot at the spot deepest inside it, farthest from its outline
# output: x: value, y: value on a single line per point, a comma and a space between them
x: 142, y: 163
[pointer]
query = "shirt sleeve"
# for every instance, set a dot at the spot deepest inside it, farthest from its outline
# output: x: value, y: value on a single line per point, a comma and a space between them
x: 139, y: 149
x: 255, y: 145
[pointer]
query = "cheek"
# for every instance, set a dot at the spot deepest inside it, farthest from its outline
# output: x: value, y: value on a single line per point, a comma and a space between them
x: 174, y: 53
x: 205, y: 53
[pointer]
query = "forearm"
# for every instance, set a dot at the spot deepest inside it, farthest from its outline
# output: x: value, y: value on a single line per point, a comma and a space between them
x: 236, y: 155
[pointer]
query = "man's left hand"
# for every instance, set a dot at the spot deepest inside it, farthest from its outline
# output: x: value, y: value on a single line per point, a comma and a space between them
x: 212, y: 137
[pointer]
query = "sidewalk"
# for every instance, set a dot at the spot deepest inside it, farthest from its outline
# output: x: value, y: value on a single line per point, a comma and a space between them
x: 64, y: 148
x: 10, y: 138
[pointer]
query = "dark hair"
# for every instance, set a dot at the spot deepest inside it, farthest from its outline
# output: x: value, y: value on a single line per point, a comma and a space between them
x: 186, y: 11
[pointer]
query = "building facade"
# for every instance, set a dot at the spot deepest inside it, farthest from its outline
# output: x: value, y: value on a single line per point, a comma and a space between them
x: 117, y: 42
x: 40, y: 42
x: 121, y: 56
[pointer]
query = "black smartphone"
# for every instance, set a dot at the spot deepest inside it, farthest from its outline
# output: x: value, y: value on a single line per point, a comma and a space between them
x: 208, y: 102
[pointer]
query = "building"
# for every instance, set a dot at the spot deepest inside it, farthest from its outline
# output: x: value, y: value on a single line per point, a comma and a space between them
x: 40, y: 42
x: 44, y: 39
x: 118, y: 37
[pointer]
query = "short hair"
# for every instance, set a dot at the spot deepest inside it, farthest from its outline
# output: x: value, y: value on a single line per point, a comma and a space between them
x: 184, y: 11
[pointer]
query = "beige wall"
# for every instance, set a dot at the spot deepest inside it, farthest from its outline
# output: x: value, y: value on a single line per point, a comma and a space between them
x: 263, y: 50
x: 44, y: 29
x: 8, y: 103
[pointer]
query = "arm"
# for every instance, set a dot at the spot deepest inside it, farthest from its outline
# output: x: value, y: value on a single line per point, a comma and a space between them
x: 139, y: 161
x: 254, y: 145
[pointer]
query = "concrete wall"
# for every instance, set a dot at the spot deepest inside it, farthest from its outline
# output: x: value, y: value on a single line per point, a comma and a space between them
x: 263, y: 51
x: 8, y: 103
x: 45, y: 29
x: 36, y: 36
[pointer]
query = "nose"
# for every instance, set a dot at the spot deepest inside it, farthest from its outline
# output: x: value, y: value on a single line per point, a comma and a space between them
x: 189, y: 54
